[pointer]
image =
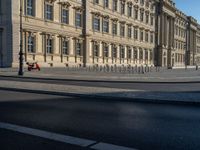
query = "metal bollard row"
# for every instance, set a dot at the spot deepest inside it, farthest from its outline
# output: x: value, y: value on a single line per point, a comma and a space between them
x: 115, y: 69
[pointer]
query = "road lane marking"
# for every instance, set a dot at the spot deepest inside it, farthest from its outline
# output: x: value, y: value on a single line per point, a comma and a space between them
x: 105, y: 146
x: 47, y: 135
x: 62, y: 138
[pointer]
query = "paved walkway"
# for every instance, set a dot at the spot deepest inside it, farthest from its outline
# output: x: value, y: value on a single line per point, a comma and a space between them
x: 176, y: 75
x: 117, y: 93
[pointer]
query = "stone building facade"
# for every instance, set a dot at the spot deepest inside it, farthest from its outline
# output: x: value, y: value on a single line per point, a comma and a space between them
x: 180, y: 38
x: 62, y: 33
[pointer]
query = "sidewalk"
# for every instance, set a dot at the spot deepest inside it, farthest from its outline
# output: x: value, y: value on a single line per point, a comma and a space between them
x: 101, y: 92
x: 176, y: 75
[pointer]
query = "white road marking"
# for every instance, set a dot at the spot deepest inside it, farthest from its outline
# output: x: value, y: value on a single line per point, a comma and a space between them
x: 105, y: 146
x: 62, y: 138
x: 47, y: 135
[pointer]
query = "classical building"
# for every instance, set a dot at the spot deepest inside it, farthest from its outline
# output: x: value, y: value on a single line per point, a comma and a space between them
x: 61, y: 33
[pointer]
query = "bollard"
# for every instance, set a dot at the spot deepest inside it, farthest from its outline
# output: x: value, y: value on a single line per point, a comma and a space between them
x: 151, y: 68
x: 132, y: 69
x: 142, y: 69
x: 136, y: 69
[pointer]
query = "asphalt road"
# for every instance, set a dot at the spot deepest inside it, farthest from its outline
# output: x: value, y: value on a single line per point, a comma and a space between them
x: 161, y: 87
x: 143, y: 126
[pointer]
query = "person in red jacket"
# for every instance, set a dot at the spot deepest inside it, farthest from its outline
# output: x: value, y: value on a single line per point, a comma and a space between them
x: 33, y: 66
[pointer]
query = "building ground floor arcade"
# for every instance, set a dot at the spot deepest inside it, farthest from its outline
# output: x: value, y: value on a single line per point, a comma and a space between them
x: 53, y: 50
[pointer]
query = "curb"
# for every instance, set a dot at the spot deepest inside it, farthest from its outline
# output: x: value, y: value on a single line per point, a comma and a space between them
x: 98, y: 97
x: 108, y: 81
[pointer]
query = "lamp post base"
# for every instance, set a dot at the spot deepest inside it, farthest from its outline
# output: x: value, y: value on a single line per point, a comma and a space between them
x: 20, y: 73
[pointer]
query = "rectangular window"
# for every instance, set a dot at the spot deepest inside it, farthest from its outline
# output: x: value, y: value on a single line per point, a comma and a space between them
x: 65, y: 16
x: 78, y: 48
x: 122, y: 30
x: 96, y: 1
x: 96, y: 24
x: 106, y: 3
x: 151, y: 37
x: 96, y: 50
x: 49, y: 46
x: 129, y: 11
x: 152, y: 20
x: 31, y: 43
x: 142, y: 2
x: 146, y: 55
x: 151, y: 55
x: 30, y: 7
x: 105, y: 26
x: 129, y: 32
x: 135, y: 54
x: 122, y: 8
x: 129, y: 53
x: 122, y: 50
x: 48, y: 11
x: 147, y: 18
x: 146, y: 37
x: 114, y: 28
x: 136, y: 14
x: 141, y: 35
x: 141, y: 16
x: 114, y: 52
x: 141, y: 54
x: 136, y: 34
x: 152, y: 7
x: 65, y: 48
x: 78, y: 19
x: 105, y: 51
x: 115, y: 2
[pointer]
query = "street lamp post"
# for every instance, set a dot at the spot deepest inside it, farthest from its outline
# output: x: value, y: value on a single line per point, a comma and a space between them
x: 21, y: 71
x: 186, y: 44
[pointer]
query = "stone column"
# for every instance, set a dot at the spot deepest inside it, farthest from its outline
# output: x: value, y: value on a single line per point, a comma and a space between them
x: 25, y: 45
x: 118, y: 53
x: 138, y: 55
x: 61, y: 48
x: 165, y: 32
x: 71, y: 47
x: 172, y: 32
x: 86, y: 23
x: 169, y: 33
x: 162, y: 29
x: 132, y: 55
x: 125, y: 52
x: 169, y: 59
x: 143, y: 60
x: 44, y: 40
x: 109, y: 50
x: 173, y: 26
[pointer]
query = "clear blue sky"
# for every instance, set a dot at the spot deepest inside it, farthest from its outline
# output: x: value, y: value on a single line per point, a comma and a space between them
x: 189, y: 7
